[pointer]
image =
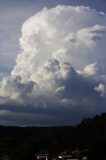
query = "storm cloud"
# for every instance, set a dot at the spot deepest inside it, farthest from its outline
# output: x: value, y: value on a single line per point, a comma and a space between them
x: 60, y: 73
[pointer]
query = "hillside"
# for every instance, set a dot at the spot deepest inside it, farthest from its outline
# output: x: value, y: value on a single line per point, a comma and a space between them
x: 22, y: 143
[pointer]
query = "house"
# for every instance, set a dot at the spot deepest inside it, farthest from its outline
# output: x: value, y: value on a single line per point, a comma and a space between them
x: 41, y: 156
x: 67, y: 157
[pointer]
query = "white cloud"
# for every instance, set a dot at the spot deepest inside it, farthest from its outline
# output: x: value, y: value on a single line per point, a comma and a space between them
x: 78, y: 42
x: 92, y: 70
x: 53, y: 49
x: 101, y: 88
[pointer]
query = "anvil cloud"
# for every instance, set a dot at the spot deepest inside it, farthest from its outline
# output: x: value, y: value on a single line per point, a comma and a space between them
x: 60, y: 73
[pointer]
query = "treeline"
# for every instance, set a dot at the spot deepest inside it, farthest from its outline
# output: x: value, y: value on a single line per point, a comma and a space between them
x: 22, y: 143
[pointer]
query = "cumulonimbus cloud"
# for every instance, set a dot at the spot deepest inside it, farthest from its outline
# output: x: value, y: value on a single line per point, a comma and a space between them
x: 61, y: 70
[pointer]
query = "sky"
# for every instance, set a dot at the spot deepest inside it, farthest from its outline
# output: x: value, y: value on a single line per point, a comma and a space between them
x: 52, y: 61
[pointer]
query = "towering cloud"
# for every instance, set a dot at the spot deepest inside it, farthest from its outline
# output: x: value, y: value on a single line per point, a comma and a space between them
x: 60, y: 74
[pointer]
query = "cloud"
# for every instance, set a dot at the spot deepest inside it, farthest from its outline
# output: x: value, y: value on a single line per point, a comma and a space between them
x: 92, y: 69
x: 101, y: 88
x: 60, y: 74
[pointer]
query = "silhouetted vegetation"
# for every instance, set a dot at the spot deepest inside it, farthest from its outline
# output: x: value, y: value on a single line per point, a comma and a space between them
x: 89, y: 137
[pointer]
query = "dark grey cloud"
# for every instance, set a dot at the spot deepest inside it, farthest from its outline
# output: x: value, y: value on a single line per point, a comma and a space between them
x: 78, y: 100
